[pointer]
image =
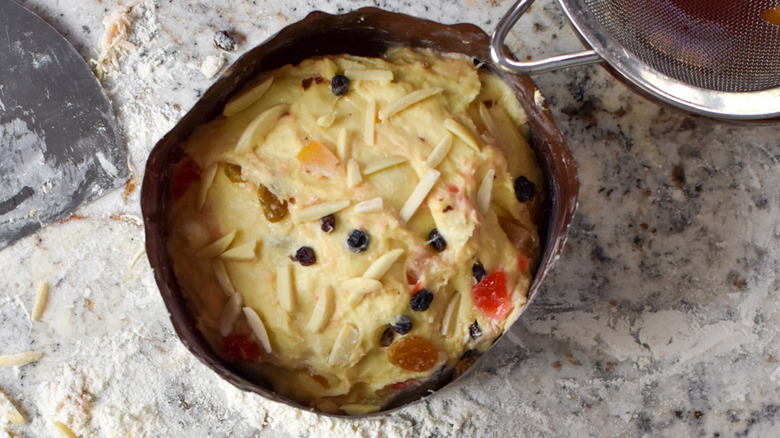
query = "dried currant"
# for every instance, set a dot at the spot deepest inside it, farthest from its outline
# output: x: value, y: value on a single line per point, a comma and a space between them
x: 339, y: 85
x: 524, y: 189
x: 403, y: 325
x: 413, y: 353
x: 358, y: 240
x: 224, y: 41
x: 421, y: 300
x: 474, y: 331
x: 305, y: 256
x: 436, y: 240
x: 478, y: 271
x: 328, y: 223
x: 274, y: 209
x: 387, y: 337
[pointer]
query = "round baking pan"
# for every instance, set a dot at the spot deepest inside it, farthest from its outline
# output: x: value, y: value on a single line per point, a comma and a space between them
x: 365, y: 32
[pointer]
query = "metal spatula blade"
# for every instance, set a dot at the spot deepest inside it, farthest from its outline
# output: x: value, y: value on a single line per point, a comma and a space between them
x: 60, y: 145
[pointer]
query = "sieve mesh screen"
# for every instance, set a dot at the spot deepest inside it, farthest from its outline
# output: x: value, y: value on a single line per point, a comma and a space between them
x: 722, y: 45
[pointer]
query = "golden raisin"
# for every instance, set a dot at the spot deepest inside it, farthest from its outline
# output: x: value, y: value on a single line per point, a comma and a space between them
x: 413, y: 353
x: 274, y: 209
x: 233, y: 172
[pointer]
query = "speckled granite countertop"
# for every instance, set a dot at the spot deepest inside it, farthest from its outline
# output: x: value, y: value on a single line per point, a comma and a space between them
x: 660, y: 319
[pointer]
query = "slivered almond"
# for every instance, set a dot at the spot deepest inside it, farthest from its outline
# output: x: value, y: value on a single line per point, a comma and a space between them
x: 259, y: 128
x: 12, y: 414
x: 419, y: 194
x: 357, y: 409
x: 229, y: 314
x: 405, y: 102
x: 487, y: 119
x: 381, y: 76
x: 450, y: 316
x: 322, y: 312
x: 341, y: 146
x: 326, y: 120
x: 369, y: 206
x: 353, y: 173
x: 41, y: 298
x: 368, y: 129
x: 258, y: 328
x: 359, y: 287
x: 462, y: 133
x: 62, y: 430
x: 216, y: 247
x: 206, y: 180
x: 440, y: 151
x: 246, y: 99
x: 320, y: 210
x: 382, y: 164
x: 17, y: 359
x: 485, y: 191
x: 243, y: 252
x: 220, y: 271
x: 382, y: 264
x: 285, y: 288
x: 346, y: 346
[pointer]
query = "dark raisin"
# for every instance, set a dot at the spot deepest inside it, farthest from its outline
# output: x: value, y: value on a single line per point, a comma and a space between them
x: 403, y: 325
x: 421, y: 300
x: 387, y: 337
x: 478, y: 271
x: 328, y: 223
x: 474, y: 331
x: 305, y: 256
x: 339, y: 85
x: 224, y: 41
x: 436, y: 240
x: 524, y: 189
x: 358, y: 240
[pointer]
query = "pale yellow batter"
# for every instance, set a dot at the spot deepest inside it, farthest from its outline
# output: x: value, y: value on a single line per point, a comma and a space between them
x: 326, y: 309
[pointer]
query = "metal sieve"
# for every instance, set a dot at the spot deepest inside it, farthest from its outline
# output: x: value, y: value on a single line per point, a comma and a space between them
x: 717, y: 58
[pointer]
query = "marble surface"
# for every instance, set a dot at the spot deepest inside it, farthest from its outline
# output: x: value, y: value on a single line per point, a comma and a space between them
x: 660, y: 319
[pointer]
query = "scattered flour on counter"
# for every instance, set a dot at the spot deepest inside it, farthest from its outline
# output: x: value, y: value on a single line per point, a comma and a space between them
x: 113, y: 367
x: 676, y: 336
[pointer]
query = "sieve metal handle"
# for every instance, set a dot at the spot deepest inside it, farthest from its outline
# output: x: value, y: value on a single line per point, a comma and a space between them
x: 531, y: 67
